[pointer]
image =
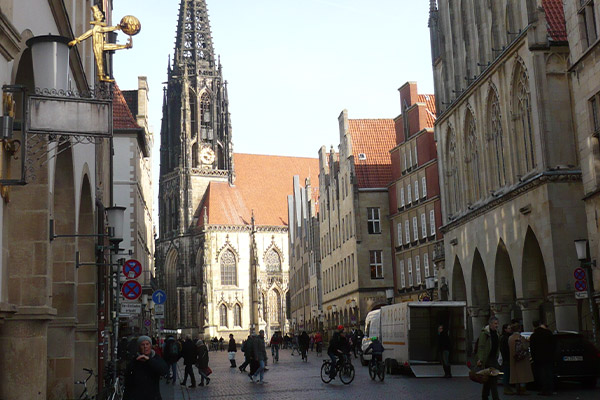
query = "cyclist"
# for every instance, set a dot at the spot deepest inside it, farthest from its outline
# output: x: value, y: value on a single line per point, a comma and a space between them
x: 376, y: 348
x: 336, y: 349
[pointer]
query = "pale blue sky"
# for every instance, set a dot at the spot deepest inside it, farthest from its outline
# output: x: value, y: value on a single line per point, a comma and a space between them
x: 292, y: 65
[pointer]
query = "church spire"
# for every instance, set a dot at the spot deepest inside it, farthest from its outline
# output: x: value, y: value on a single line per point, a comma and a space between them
x: 193, y: 44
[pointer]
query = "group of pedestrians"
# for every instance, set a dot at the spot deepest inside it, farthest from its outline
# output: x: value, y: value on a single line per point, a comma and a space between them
x: 516, y: 354
x: 255, y: 356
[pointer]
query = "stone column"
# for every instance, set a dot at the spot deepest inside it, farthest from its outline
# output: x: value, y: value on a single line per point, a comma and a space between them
x: 531, y: 312
x: 502, y: 312
x: 565, y: 311
x: 479, y: 318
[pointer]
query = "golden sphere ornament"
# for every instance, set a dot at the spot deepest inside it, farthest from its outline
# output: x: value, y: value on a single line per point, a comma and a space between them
x: 130, y: 25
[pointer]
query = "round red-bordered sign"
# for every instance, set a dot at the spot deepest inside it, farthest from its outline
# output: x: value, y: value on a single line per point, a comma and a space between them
x: 131, y: 290
x: 581, y: 286
x: 579, y: 274
x: 132, y: 269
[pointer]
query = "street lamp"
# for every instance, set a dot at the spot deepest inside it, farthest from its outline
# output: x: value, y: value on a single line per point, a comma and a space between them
x: 581, y: 246
x: 389, y: 295
x: 50, y: 58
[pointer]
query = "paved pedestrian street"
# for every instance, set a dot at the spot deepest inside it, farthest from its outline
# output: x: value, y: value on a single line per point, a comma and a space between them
x: 293, y: 379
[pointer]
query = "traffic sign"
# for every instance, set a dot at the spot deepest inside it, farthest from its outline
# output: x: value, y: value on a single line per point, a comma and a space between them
x: 581, y: 295
x: 131, y: 290
x: 159, y: 297
x: 132, y: 269
x: 130, y: 308
x: 579, y: 274
x: 159, y: 309
x: 581, y: 286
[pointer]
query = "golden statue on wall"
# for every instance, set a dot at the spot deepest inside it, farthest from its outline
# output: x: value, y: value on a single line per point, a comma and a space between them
x: 129, y: 25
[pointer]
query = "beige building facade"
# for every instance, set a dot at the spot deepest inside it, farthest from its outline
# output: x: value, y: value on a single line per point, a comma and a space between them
x: 509, y: 166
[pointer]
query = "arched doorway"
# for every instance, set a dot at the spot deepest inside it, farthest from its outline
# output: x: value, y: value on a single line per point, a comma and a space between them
x: 171, y: 289
x: 479, y: 308
x: 505, y: 297
x: 459, y: 288
x: 534, y: 304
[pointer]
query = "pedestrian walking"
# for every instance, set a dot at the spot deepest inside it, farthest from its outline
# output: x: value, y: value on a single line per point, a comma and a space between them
x: 231, y: 350
x: 259, y: 353
x: 142, y: 375
x: 276, y: 341
x: 543, y: 345
x: 520, y: 364
x: 246, y: 345
x: 444, y: 350
x: 171, y: 354
x: 190, y: 358
x: 202, y: 365
x: 303, y: 342
x: 319, y: 342
x: 221, y: 341
x: 488, y: 349
x: 295, y: 347
x: 505, y: 353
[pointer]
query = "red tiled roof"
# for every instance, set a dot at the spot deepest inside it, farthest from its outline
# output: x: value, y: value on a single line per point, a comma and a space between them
x: 374, y: 138
x: 555, y: 17
x: 122, y: 117
x: 262, y: 184
x: 429, y: 101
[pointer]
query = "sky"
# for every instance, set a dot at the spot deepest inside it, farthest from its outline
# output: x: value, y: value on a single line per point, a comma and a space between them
x: 292, y: 65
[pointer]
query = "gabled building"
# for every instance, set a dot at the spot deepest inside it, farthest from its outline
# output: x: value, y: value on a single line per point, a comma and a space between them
x: 415, y: 206
x: 356, y: 262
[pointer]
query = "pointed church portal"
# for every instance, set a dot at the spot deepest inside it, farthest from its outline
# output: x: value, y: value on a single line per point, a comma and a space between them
x: 222, y: 251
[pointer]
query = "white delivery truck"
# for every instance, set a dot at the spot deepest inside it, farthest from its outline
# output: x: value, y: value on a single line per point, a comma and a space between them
x: 409, y: 334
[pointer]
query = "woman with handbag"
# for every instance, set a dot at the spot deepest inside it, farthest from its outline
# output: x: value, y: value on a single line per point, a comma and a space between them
x: 520, y: 364
x: 203, y: 368
x: 231, y: 349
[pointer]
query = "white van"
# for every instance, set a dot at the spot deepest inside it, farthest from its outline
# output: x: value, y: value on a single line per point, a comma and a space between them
x: 372, y: 328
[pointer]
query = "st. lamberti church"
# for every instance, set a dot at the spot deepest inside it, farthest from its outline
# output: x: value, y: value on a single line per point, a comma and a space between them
x: 222, y: 250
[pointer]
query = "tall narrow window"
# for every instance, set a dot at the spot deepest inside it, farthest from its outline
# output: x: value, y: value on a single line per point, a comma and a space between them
x: 228, y: 268
x: 415, y: 229
x: 409, y: 193
x: 205, y: 117
x: 399, y: 234
x: 410, y: 273
x: 426, y: 265
x: 418, y: 269
x: 193, y: 114
x: 434, y: 269
x: 588, y: 22
x: 407, y: 231
x: 373, y: 220
x: 416, y: 156
x: 376, y: 264
x: 454, y: 200
x: 424, y: 186
x: 416, y: 190
x: 472, y: 158
x: 496, y: 140
x: 423, y: 226
x: 405, y: 165
x: 402, y: 196
x: 522, y: 119
x: 237, y: 315
x: 595, y: 115
x: 402, y: 274
x: 223, y: 316
x: 410, y: 160
x: 432, y: 226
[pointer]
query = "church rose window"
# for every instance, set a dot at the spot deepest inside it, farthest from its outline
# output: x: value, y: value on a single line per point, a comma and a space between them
x: 273, y: 261
x: 228, y: 269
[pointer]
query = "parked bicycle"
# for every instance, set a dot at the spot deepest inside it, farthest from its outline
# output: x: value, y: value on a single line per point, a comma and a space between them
x: 85, y: 395
x: 344, y: 369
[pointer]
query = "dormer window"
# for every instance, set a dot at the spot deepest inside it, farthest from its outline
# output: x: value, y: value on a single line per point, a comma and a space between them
x: 362, y: 156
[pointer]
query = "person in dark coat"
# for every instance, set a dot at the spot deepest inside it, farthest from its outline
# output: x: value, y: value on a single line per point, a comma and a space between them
x: 444, y: 350
x: 143, y: 373
x: 231, y: 348
x: 488, y: 349
x: 202, y: 362
x: 259, y: 354
x: 190, y: 358
x: 303, y: 343
x: 246, y: 350
x: 543, y: 346
x: 505, y: 352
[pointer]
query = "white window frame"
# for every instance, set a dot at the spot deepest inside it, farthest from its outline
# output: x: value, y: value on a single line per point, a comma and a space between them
x: 410, y: 160
x: 402, y: 274
x: 423, y: 226
x: 416, y: 156
x: 418, y: 269
x: 399, y: 229
x: 426, y: 265
x: 407, y: 231
x: 402, y: 203
x: 410, y: 273
x: 378, y: 264
x: 415, y: 230
x: 416, y: 190
x: 409, y: 194
x: 405, y: 165
x: 432, y: 223
x: 374, y: 219
x: 424, y: 186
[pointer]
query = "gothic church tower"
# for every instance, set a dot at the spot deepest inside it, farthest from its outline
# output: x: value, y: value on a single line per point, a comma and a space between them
x: 196, y: 149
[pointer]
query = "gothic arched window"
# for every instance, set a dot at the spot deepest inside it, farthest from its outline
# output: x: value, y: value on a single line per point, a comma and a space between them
x: 274, y: 307
x: 273, y: 261
x: 472, y: 158
x: 228, y: 268
x: 523, y: 121
x: 496, y: 141
x: 193, y: 115
x: 452, y: 173
x: 237, y: 315
x: 205, y: 117
x: 223, y: 316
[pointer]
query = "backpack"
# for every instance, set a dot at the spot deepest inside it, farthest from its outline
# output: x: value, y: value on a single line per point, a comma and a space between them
x: 521, y: 350
x: 172, y: 351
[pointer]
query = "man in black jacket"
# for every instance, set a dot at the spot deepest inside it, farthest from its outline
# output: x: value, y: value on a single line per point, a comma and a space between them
x: 143, y: 373
x: 542, y: 346
x: 190, y: 358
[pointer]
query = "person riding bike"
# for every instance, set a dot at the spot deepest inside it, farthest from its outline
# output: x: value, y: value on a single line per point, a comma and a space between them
x: 376, y: 348
x: 337, y: 349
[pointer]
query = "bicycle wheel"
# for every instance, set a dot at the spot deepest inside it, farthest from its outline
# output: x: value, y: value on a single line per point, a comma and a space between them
x: 347, y: 373
x: 372, y: 371
x: 381, y: 371
x: 325, y: 370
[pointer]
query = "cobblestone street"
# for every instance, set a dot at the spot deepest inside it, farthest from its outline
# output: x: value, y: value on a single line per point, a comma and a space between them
x: 293, y: 379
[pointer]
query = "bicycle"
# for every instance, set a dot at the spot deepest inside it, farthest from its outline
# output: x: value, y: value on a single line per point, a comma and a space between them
x: 376, y: 368
x: 116, y: 392
x: 344, y: 368
x: 85, y: 394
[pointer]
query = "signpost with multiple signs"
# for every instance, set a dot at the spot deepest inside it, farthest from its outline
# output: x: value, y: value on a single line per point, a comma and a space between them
x: 580, y: 283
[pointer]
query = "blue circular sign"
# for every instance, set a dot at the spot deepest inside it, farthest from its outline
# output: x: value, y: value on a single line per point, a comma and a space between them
x: 131, y: 290
x: 579, y: 274
x: 580, y: 286
x: 159, y: 297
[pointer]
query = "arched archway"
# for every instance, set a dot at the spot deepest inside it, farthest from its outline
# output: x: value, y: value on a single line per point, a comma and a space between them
x: 171, y: 288
x: 534, y: 303
x: 459, y: 288
x: 504, y: 287
x: 479, y: 308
